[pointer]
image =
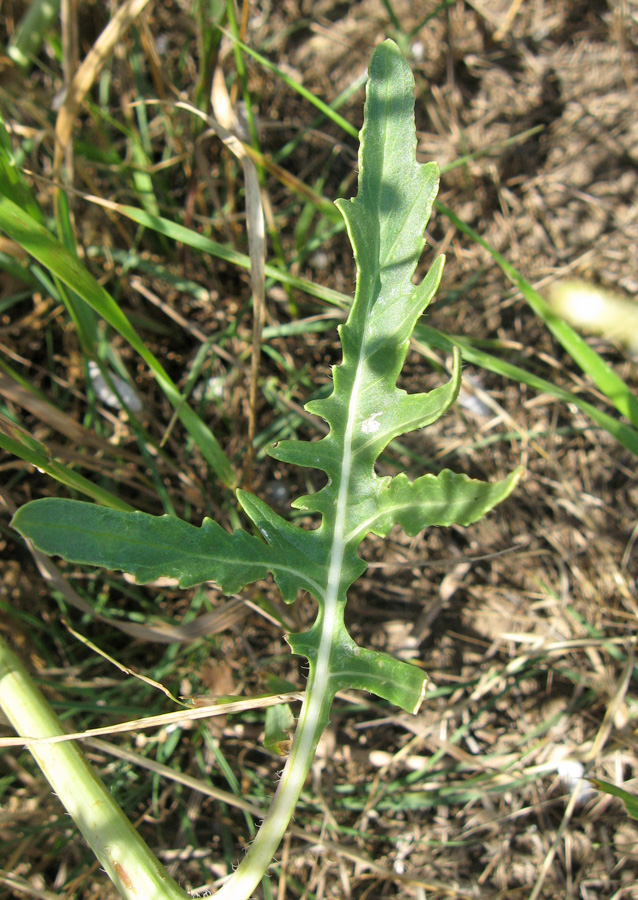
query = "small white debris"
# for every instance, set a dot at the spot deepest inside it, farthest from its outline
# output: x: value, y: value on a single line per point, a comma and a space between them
x: 470, y: 398
x: 370, y: 425
x: 320, y: 260
x: 211, y: 389
x: 418, y: 51
x: 571, y: 772
x: 472, y: 404
x: 107, y: 396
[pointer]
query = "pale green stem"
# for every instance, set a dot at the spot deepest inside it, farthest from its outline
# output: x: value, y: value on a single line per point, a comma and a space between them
x: 313, y: 718
x: 312, y: 721
x: 129, y: 863
x: 319, y: 693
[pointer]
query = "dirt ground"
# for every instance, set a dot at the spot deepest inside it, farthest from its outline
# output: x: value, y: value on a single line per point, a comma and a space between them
x: 526, y: 622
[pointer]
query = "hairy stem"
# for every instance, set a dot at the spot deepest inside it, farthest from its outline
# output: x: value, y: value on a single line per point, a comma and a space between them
x: 312, y: 721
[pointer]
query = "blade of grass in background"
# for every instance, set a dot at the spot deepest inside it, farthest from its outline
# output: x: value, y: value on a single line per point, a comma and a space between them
x: 592, y: 364
x: 81, y: 314
x: 240, y: 68
x: 327, y: 110
x: 200, y: 242
x: 519, y: 138
x: 13, y: 184
x: 623, y: 433
x: 431, y: 15
x: 37, y: 241
x: 630, y: 801
x: 336, y: 104
x: 27, y: 39
x: 209, y: 17
x: 15, y: 440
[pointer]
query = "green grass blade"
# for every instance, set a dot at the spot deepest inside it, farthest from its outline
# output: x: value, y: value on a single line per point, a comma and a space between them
x: 32, y: 451
x: 630, y: 800
x: 209, y: 15
x: 12, y: 182
x: 431, y: 15
x: 623, y: 433
x: 328, y: 111
x: 200, y: 242
x: 40, y: 244
x: 337, y: 103
x: 603, y: 376
x: 82, y: 315
x: 20, y: 272
x: 27, y: 39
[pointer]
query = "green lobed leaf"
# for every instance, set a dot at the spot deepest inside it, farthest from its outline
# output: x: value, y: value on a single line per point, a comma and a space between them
x: 443, y: 499
x: 150, y: 547
x: 365, y: 411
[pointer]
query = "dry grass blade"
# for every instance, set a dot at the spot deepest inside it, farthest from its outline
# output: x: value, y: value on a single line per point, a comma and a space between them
x: 55, y: 418
x: 227, y: 615
x: 118, y: 665
x: 70, y: 59
x: 549, y: 859
x: 614, y: 706
x: 43, y: 410
x: 509, y: 17
x: 187, y: 715
x: 227, y: 119
x: 167, y: 773
x: 294, y: 184
x: 23, y: 888
x: 88, y: 72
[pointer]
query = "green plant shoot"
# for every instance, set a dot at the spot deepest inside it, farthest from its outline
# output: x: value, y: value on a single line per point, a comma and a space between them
x: 365, y: 411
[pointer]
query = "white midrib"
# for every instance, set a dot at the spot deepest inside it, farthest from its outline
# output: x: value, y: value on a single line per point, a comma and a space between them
x: 322, y: 674
x: 245, y: 879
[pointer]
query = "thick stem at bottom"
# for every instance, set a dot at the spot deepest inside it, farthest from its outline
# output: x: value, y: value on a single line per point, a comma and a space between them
x: 129, y: 863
